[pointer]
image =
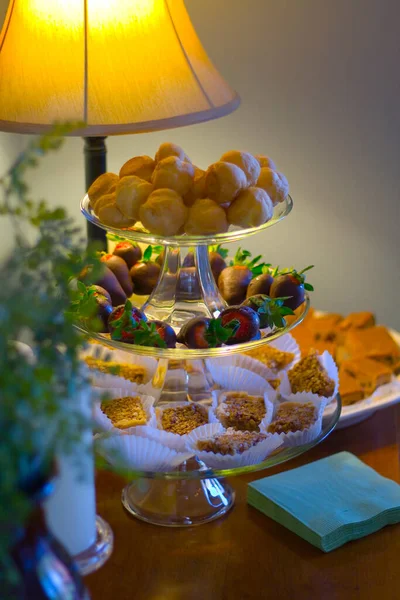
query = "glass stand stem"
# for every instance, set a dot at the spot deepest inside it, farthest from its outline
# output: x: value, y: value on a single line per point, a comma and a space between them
x: 185, y: 292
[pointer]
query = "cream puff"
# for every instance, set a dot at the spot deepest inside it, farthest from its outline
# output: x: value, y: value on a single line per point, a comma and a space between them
x: 275, y: 184
x: 112, y: 216
x: 249, y: 165
x: 198, y: 189
x: 174, y: 174
x: 265, y: 161
x: 103, y: 201
x: 167, y: 149
x: 252, y: 208
x: 141, y: 166
x: 131, y: 192
x: 104, y: 184
x: 164, y: 212
x: 206, y: 217
x: 224, y: 181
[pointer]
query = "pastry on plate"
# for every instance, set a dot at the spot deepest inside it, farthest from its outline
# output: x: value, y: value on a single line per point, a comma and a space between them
x: 293, y: 416
x: 308, y: 375
x: 134, y: 373
x: 370, y: 374
x: 373, y: 342
x: 350, y: 389
x: 241, y: 411
x: 230, y: 442
x: 183, y: 419
x: 275, y: 359
x: 358, y: 320
x: 325, y: 327
x: 125, y: 412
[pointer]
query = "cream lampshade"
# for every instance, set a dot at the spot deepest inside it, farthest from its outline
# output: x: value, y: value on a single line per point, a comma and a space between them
x: 121, y: 66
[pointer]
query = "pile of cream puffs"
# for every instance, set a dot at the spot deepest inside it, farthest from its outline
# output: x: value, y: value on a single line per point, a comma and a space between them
x: 170, y: 196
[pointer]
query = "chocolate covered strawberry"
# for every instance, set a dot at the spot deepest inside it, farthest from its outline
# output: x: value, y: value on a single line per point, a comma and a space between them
x: 245, y: 321
x: 205, y: 332
x: 145, y: 273
x: 292, y: 286
x: 234, y: 280
x: 271, y: 311
x: 123, y: 322
x: 119, y: 267
x: 156, y: 334
x: 217, y: 256
x: 129, y: 252
x: 260, y: 284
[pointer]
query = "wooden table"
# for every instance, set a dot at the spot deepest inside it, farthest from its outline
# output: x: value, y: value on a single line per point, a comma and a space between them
x: 247, y: 555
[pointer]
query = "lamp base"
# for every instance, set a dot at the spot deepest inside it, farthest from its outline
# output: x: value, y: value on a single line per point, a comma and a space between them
x: 95, y: 152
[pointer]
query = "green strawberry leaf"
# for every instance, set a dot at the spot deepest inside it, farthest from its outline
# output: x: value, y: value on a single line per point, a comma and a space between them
x: 308, y: 287
x: 221, y: 251
x: 147, y: 254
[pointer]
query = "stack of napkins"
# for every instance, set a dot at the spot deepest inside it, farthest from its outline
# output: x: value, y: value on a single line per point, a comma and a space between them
x: 329, y: 502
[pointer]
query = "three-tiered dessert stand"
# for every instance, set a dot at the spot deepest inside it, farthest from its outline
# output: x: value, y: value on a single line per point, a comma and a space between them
x: 193, y: 493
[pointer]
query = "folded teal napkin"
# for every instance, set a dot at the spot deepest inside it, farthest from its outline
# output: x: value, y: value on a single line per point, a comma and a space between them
x: 329, y: 502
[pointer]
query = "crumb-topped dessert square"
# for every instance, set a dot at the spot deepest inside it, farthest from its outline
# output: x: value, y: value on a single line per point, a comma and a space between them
x: 241, y: 411
x: 308, y: 375
x: 230, y: 442
x: 134, y: 373
x: 293, y: 416
x: 183, y: 419
x: 125, y: 412
x: 276, y: 360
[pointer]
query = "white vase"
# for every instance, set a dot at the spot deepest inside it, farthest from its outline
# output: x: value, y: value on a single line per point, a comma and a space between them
x: 71, y: 510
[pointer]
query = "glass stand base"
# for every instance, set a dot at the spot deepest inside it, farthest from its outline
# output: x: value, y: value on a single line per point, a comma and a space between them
x: 178, y: 502
x: 98, y: 553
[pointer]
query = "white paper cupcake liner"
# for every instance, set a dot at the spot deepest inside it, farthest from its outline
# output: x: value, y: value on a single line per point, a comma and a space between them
x: 238, y: 379
x: 100, y: 379
x: 217, y: 398
x: 300, y: 438
x: 329, y: 365
x: 287, y: 343
x: 103, y: 422
x: 133, y: 451
x: 253, y: 456
x: 172, y: 440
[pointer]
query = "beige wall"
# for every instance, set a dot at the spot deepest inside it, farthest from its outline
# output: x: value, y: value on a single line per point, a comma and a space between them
x: 320, y: 88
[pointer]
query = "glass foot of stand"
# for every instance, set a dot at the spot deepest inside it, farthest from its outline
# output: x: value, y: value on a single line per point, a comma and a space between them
x: 94, y: 557
x: 178, y: 502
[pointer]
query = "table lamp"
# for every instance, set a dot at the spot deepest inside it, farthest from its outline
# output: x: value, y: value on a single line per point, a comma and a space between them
x: 119, y: 66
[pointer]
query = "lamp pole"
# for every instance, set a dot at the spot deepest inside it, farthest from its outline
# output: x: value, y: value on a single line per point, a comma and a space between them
x: 95, y: 152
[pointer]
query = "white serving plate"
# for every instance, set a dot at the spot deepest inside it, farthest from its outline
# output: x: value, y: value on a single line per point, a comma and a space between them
x: 384, y: 396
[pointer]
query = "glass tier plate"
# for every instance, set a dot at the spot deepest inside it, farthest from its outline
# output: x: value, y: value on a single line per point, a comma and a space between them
x: 183, y: 353
x: 232, y: 235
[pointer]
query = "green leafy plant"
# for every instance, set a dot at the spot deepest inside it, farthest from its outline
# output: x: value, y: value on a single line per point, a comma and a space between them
x: 39, y: 408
